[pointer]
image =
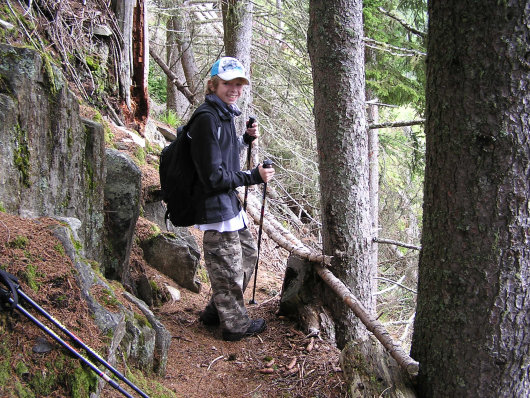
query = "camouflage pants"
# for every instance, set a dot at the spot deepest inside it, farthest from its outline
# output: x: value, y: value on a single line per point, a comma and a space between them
x: 230, y: 259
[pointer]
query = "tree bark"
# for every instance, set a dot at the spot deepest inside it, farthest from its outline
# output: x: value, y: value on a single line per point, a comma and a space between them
x: 237, y: 24
x: 124, y: 14
x: 175, y: 100
x: 335, y: 42
x: 472, y: 328
x: 134, y: 65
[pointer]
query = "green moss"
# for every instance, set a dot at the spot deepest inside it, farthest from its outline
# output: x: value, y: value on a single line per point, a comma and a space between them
x: 59, y: 248
x: 108, y: 298
x: 202, y: 274
x: 93, y: 62
x: 43, y: 382
x: 142, y: 320
x: 30, y: 275
x: 66, y: 201
x: 21, y: 155
x: 148, y: 385
x: 5, y: 367
x: 19, y: 242
x: 23, y: 392
x: 21, y: 368
x: 154, y: 286
x: 83, y: 382
x: 139, y: 155
x: 2, y: 208
x: 49, y: 73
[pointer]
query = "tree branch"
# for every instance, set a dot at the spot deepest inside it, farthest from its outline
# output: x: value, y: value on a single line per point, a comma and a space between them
x: 395, y: 242
x: 402, y: 51
x: 403, y: 23
x: 181, y: 87
x: 396, y: 124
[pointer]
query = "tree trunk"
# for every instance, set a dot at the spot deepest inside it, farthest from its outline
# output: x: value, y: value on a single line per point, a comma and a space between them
x: 237, y: 24
x: 472, y: 328
x: 176, y: 101
x: 335, y: 42
x: 134, y: 65
x: 124, y: 14
x: 140, y: 62
x: 187, y: 56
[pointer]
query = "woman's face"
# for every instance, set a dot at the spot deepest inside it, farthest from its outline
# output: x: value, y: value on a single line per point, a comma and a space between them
x: 230, y: 91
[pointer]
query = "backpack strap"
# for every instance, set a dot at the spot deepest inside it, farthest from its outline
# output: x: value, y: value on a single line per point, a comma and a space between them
x: 204, y: 108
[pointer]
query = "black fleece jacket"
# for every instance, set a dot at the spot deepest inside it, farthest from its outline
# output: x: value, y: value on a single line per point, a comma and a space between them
x: 215, y: 149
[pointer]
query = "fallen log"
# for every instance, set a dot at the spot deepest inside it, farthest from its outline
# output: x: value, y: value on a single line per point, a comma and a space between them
x: 293, y: 245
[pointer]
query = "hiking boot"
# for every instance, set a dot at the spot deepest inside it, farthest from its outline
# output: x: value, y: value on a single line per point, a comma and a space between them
x: 209, y: 318
x: 256, y: 326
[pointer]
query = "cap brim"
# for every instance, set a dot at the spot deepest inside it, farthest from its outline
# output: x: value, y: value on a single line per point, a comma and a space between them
x: 233, y: 74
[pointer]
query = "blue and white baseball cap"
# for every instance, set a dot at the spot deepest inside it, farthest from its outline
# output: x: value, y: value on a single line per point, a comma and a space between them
x: 228, y: 68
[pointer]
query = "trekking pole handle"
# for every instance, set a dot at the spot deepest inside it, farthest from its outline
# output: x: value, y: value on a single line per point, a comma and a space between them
x: 267, y: 164
x: 251, y: 121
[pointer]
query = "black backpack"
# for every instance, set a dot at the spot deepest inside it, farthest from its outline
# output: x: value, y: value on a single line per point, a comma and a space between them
x: 178, y: 175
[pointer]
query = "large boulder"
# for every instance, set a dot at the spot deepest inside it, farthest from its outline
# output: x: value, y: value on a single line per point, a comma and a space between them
x: 176, y: 256
x: 122, y: 209
x: 52, y: 161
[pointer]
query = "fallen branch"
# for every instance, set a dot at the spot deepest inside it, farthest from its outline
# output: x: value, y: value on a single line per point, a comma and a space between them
x: 290, y: 243
x: 214, y: 361
x: 372, y: 324
x: 285, y: 239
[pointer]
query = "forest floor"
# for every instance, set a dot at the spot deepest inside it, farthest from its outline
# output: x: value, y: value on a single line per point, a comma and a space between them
x: 280, y: 362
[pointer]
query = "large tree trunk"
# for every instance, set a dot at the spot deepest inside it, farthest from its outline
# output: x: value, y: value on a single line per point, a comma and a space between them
x: 472, y: 328
x: 335, y: 41
x: 237, y: 24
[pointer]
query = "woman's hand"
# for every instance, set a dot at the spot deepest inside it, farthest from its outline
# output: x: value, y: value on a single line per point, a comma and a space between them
x: 253, y: 131
x: 266, y: 173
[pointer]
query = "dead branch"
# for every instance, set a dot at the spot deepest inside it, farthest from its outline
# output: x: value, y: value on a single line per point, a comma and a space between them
x: 394, y: 50
x: 396, y: 124
x: 290, y: 243
x: 395, y: 242
x: 372, y: 324
x: 397, y: 284
x: 181, y: 87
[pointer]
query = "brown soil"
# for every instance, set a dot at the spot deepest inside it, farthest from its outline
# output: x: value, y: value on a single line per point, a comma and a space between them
x: 200, y: 363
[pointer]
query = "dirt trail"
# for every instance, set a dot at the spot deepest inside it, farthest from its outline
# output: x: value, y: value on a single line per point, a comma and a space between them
x: 280, y: 362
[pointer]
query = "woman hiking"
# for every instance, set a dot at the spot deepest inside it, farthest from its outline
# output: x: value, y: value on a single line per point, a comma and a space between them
x: 229, y: 248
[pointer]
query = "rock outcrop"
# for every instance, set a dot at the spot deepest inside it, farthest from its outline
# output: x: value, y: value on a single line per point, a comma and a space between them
x: 52, y: 161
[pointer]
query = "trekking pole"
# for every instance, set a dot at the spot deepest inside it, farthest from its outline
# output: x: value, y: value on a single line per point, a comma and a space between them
x: 51, y: 333
x: 12, y: 282
x: 251, y: 120
x: 266, y: 164
x: 80, y: 343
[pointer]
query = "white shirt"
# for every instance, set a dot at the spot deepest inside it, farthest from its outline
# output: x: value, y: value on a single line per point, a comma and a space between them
x: 234, y: 224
